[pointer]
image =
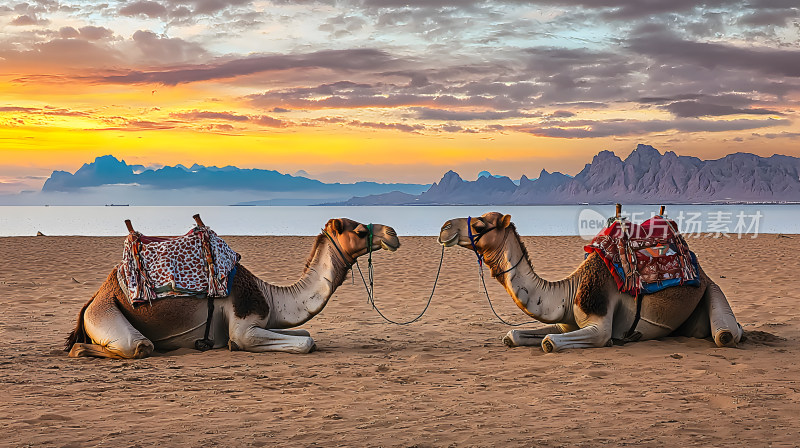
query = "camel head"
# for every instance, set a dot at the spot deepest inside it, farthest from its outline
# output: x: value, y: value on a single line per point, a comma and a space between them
x: 351, y: 237
x: 488, y: 232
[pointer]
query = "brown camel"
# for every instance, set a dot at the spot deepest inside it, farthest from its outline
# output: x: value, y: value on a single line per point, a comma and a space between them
x: 254, y: 317
x: 586, y: 309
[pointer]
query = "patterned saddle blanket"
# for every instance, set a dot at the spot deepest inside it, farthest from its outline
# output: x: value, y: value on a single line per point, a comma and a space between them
x: 646, y: 258
x: 198, y: 264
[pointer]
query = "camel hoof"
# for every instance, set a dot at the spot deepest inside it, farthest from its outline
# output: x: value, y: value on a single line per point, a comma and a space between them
x: 143, y: 349
x: 232, y: 346
x: 313, y: 347
x: 725, y: 338
x: 548, y: 346
x: 509, y: 341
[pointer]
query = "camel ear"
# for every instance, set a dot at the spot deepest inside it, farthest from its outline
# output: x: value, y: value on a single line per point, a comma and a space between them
x: 361, y: 230
x: 505, y: 221
x: 337, y: 225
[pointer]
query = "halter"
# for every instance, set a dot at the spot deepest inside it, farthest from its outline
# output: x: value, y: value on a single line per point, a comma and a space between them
x: 472, y: 240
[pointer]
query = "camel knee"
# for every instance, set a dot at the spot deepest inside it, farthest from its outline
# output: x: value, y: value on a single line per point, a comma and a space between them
x: 256, y: 339
x: 141, y: 349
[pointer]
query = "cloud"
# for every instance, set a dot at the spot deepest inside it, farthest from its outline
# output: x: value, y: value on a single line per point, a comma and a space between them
x: 666, y: 48
x: 28, y: 20
x: 425, y: 113
x: 340, y: 60
x: 204, y: 115
x: 700, y: 109
x: 262, y: 120
x: 165, y: 49
x: 153, y: 10
x: 622, y: 127
x: 90, y: 33
x: 413, y: 128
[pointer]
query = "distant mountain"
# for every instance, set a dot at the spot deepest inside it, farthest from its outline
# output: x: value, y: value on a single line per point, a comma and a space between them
x: 645, y: 176
x: 108, y: 178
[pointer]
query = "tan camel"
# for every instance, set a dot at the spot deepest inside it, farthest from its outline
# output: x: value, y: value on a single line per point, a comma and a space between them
x: 255, y: 316
x: 586, y: 309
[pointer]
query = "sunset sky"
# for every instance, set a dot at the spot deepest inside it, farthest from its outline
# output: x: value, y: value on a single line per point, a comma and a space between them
x: 391, y: 90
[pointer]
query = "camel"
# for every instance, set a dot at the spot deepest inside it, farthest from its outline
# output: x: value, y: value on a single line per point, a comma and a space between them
x: 586, y: 309
x: 256, y: 316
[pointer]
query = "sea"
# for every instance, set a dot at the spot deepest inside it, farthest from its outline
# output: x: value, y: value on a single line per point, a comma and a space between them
x: 729, y: 220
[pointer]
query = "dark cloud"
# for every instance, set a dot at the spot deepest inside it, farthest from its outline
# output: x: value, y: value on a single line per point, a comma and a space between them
x: 204, y: 115
x: 165, y: 49
x: 668, y: 49
x: 270, y: 122
x: 562, y: 114
x: 700, y: 109
x: 147, y: 8
x: 344, y: 60
x: 592, y: 129
x: 413, y: 128
x: 86, y: 32
x: 261, y: 120
x: 28, y: 20
x: 425, y: 113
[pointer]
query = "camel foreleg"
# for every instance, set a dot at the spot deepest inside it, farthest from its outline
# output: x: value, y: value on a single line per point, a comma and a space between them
x: 725, y: 330
x: 291, y: 332
x: 112, y: 334
x: 524, y: 338
x: 252, y: 338
x: 592, y: 335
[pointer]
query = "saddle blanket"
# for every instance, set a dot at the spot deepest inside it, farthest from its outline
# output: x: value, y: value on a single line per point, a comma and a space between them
x: 197, y: 264
x: 646, y: 258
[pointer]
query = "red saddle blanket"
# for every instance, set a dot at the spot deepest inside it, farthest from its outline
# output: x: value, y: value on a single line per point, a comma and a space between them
x: 196, y: 264
x: 647, y: 257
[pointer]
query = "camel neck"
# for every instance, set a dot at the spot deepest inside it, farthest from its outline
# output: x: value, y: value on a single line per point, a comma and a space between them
x: 297, y: 303
x: 546, y: 301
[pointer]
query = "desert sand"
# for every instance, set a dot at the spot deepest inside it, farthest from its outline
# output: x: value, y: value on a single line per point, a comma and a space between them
x: 444, y: 381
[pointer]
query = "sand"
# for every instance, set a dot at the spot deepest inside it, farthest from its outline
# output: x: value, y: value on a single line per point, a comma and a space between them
x: 445, y: 381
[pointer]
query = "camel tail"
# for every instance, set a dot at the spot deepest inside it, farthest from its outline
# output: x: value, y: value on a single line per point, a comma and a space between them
x: 78, y: 334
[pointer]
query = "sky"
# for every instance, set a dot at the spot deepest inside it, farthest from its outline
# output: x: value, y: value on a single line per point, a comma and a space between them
x: 391, y: 90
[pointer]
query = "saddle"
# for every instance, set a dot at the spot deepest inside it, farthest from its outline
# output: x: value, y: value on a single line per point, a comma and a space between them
x: 645, y: 258
x: 198, y: 264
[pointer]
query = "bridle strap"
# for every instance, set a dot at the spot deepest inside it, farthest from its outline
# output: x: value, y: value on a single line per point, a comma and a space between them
x: 509, y: 269
x: 341, y: 254
x: 473, y: 239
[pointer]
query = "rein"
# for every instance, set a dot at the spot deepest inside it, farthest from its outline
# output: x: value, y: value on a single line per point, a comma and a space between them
x: 371, y: 275
x: 472, y: 240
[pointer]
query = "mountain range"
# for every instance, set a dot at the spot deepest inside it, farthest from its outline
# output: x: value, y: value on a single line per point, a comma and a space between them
x: 645, y: 176
x: 110, y: 180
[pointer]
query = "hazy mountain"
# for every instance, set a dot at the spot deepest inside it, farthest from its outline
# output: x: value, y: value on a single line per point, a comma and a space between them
x: 645, y: 176
x: 110, y: 180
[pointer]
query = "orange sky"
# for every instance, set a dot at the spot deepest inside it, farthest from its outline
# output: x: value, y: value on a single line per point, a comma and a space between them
x: 392, y: 93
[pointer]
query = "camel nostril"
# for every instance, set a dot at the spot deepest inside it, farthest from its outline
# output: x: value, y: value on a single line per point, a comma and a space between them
x: 447, y: 225
x: 390, y: 231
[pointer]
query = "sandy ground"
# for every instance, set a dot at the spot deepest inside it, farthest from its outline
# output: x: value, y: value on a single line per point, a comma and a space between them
x: 445, y: 381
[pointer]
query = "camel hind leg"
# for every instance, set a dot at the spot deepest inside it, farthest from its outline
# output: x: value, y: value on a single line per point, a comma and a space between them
x: 725, y: 330
x: 112, y: 334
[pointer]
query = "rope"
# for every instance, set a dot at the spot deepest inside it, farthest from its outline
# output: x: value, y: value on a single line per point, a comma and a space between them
x: 486, y: 291
x: 472, y: 240
x: 371, y: 289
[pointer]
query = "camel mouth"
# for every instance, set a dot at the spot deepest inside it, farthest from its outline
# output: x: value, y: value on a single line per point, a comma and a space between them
x: 388, y: 247
x: 451, y: 242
